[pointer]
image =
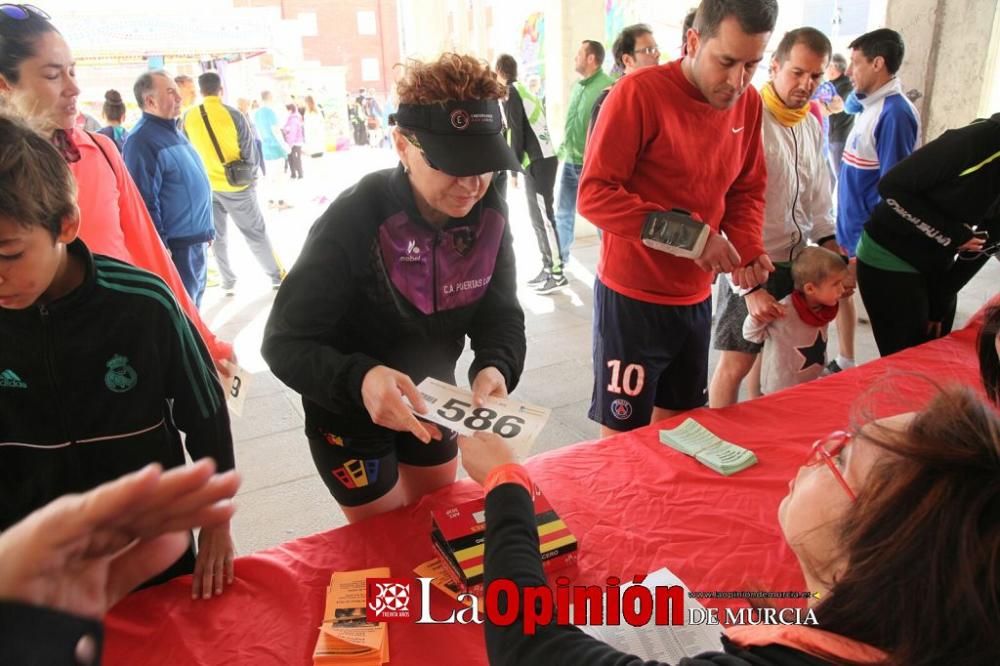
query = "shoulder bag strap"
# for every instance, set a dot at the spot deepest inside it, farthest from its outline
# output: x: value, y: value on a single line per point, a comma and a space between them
x: 100, y: 148
x: 211, y: 134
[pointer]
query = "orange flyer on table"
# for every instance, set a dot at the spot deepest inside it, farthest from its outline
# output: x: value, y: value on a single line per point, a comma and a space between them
x: 346, y: 636
x: 443, y: 579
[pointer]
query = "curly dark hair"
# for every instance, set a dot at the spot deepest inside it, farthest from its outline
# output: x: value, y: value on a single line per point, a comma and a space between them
x: 451, y: 77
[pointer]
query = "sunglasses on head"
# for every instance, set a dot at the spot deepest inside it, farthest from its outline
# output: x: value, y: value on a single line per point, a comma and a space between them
x: 21, y: 12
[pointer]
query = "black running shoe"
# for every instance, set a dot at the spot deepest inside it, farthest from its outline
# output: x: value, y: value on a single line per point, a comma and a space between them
x: 542, y: 276
x: 554, y: 283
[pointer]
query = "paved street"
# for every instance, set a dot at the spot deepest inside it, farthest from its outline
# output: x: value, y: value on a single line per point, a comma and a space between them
x: 282, y: 496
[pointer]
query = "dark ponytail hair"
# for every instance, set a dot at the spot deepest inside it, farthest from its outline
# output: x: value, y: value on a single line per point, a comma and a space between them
x: 114, y: 107
x: 922, y: 542
x: 18, y: 38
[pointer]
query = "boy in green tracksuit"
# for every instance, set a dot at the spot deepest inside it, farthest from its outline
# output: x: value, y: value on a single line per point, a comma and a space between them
x: 99, y: 368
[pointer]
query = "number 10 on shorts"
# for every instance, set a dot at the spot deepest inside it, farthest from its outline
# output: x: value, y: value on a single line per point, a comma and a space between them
x: 628, y: 380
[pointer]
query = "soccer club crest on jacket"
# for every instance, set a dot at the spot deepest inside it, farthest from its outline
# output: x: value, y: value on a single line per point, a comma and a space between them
x: 121, y: 377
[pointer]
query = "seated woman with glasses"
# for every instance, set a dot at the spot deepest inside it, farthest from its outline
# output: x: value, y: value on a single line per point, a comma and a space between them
x: 897, y: 525
x: 937, y: 225
x: 393, y: 277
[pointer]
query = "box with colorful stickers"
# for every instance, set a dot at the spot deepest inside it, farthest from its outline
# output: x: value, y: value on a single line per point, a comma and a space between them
x: 458, y: 536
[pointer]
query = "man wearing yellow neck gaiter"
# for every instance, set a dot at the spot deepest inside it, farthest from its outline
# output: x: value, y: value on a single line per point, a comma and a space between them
x: 798, y: 206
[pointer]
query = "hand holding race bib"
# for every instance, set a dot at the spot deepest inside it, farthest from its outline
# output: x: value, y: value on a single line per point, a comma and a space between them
x: 488, y: 382
x: 382, y: 391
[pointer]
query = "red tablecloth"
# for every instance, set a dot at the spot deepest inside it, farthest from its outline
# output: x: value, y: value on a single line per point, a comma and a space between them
x: 634, y: 504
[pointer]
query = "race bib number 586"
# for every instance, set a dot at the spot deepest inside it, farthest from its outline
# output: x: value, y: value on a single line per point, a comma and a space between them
x: 451, y: 407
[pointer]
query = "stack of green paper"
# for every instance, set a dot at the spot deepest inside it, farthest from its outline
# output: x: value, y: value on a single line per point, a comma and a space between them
x: 693, y: 439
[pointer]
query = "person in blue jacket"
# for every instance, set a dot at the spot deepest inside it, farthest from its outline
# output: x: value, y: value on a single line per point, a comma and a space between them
x: 886, y: 129
x: 172, y: 179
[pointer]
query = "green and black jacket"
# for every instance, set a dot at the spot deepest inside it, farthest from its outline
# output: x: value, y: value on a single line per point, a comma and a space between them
x: 97, y: 384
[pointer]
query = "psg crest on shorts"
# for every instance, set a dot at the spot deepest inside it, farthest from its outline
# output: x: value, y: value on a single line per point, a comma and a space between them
x: 621, y: 409
x: 462, y: 239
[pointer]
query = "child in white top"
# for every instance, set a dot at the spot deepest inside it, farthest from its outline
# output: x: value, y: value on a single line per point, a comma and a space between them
x: 795, y: 347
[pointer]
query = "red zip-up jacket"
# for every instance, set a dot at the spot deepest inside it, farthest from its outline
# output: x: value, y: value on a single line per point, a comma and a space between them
x: 114, y: 222
x: 659, y: 145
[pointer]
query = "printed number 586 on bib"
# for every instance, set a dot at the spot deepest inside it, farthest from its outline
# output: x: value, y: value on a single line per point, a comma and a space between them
x: 481, y: 418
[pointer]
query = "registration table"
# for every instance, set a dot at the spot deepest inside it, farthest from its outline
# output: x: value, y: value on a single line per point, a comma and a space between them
x: 634, y: 504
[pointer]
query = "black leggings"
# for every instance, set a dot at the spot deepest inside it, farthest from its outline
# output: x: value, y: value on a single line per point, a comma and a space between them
x: 295, y: 162
x: 899, y: 306
x: 539, y: 183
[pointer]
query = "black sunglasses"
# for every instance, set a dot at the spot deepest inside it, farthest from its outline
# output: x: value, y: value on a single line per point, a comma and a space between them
x: 416, y: 144
x: 21, y: 12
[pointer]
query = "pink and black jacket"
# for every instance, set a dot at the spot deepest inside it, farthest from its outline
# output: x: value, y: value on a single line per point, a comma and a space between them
x: 378, y: 285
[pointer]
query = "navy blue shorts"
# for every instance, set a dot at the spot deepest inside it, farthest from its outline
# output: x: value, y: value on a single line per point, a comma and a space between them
x: 647, y: 355
x: 360, y: 469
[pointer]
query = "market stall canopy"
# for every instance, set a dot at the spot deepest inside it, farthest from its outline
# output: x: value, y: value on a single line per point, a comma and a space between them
x: 121, y: 38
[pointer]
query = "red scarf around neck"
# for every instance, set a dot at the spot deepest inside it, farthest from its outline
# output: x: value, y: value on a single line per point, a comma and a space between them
x: 822, y: 317
x: 63, y: 141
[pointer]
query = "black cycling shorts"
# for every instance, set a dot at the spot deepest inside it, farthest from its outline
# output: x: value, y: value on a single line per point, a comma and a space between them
x: 360, y: 469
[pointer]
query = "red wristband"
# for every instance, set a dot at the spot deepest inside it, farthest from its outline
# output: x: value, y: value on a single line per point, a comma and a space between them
x: 509, y: 473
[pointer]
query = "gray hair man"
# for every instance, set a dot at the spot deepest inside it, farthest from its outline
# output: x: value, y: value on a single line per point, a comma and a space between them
x: 171, y: 178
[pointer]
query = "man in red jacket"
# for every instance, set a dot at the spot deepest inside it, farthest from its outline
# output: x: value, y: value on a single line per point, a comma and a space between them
x: 682, y: 136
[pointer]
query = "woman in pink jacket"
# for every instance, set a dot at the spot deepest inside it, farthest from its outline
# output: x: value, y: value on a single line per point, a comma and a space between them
x: 38, y: 79
x: 295, y: 138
